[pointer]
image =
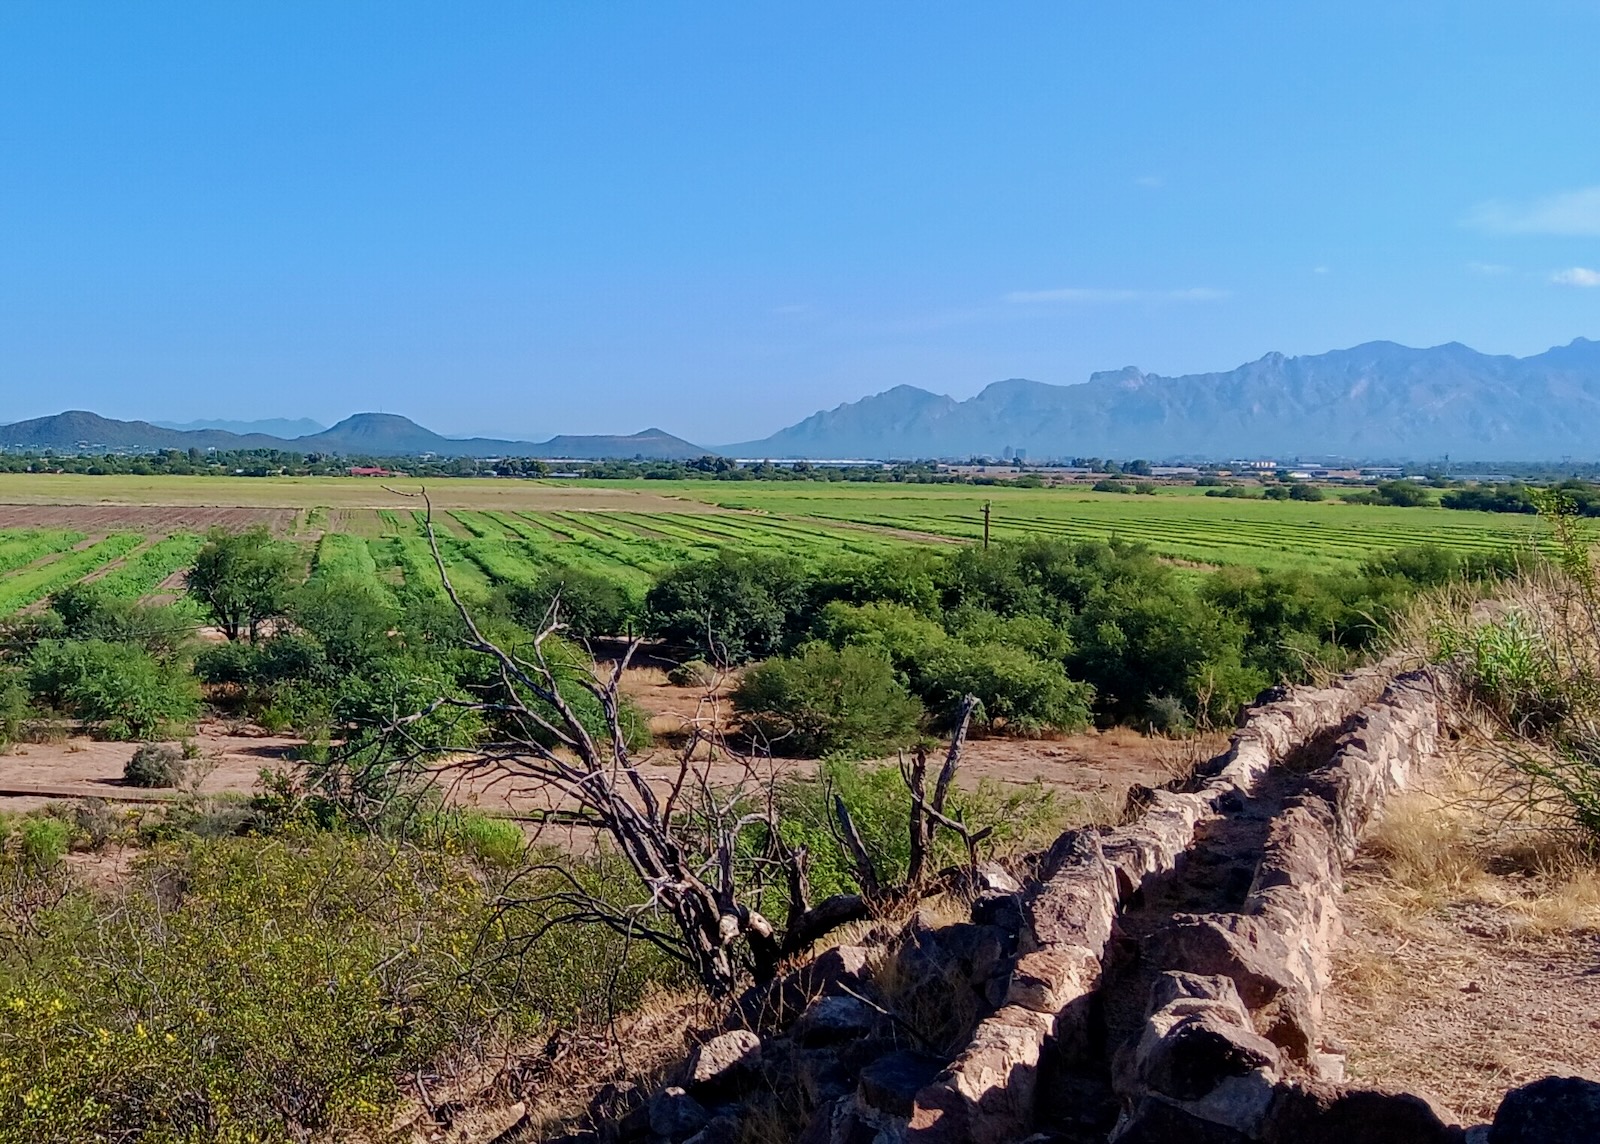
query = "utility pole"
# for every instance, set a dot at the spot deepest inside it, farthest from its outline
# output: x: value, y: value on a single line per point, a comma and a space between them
x: 986, y: 507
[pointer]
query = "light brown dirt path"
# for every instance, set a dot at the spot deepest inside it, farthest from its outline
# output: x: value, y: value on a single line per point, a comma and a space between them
x: 1454, y: 1003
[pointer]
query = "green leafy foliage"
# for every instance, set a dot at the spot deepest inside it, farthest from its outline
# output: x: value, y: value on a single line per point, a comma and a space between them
x: 281, y: 994
x: 827, y: 700
x: 589, y: 603
x: 121, y: 687
x: 732, y: 608
x: 243, y: 579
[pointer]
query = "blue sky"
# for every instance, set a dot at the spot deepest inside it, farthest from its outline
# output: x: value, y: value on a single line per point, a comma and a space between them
x: 538, y: 217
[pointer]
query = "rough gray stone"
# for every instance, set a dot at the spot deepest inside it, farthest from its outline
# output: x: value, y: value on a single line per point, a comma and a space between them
x: 1048, y: 980
x: 830, y: 1020
x: 675, y: 1114
x: 1555, y: 1110
x: 986, y: 1094
x: 1319, y: 1113
x: 891, y: 1083
x: 723, y: 1064
x: 1077, y: 903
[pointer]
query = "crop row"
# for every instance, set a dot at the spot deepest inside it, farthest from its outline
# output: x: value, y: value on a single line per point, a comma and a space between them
x: 145, y: 571
x: 32, y: 584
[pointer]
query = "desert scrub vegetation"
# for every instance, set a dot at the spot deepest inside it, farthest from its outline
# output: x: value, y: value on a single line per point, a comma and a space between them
x: 1529, y: 664
x: 1048, y: 634
x: 275, y: 988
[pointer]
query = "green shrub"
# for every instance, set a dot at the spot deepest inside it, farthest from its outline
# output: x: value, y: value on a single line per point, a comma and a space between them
x: 130, y: 693
x: 1018, y: 692
x: 14, y: 710
x: 282, y: 993
x: 154, y: 765
x: 692, y: 673
x: 827, y: 700
x: 588, y: 603
x: 732, y: 608
x: 493, y: 841
x: 42, y: 841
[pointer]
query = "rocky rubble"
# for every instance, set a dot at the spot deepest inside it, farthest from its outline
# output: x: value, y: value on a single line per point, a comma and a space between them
x: 995, y: 1028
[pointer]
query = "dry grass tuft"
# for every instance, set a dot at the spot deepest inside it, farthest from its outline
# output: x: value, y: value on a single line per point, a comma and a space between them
x: 1427, y: 847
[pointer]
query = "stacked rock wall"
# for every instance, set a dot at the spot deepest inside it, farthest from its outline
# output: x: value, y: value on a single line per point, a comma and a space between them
x: 989, y: 1091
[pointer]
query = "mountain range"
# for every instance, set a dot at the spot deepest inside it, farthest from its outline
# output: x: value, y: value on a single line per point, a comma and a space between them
x: 365, y: 434
x: 1378, y: 400
x: 287, y: 428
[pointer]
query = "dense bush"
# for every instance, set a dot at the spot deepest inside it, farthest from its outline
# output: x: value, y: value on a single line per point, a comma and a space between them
x: 121, y: 687
x: 588, y: 603
x: 732, y: 608
x: 1398, y: 494
x: 1018, y: 692
x: 87, y: 612
x: 281, y: 994
x: 827, y: 700
x: 14, y: 709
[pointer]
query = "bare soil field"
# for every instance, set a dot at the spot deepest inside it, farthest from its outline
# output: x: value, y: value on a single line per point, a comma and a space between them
x: 150, y: 519
x: 240, y: 494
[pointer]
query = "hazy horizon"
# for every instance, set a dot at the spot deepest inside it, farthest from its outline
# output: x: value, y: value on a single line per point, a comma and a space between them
x: 719, y: 219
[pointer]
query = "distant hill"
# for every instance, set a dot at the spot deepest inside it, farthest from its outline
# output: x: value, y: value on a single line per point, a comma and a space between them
x: 365, y: 434
x: 78, y: 429
x: 1375, y: 400
x: 651, y: 444
x: 272, y: 427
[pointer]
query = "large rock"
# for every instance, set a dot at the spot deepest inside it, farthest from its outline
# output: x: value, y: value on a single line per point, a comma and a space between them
x: 1555, y: 1110
x: 986, y: 1094
x: 1270, y: 976
x: 675, y: 1114
x: 832, y: 972
x: 890, y: 1084
x: 831, y: 1020
x: 723, y: 1065
x: 1313, y: 1113
x: 1048, y: 980
x: 1197, y: 1036
x: 1077, y: 901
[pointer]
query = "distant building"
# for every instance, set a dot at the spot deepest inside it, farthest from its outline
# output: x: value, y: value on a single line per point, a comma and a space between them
x: 362, y: 471
x: 1174, y: 471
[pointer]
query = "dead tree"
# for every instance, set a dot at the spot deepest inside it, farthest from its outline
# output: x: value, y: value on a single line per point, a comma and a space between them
x: 688, y: 843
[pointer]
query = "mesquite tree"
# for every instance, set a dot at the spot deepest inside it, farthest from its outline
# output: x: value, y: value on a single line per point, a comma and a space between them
x: 703, y: 851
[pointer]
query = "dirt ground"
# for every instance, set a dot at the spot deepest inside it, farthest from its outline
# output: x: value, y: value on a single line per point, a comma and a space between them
x: 1466, y: 969
x: 1093, y: 768
x: 152, y: 519
x: 33, y: 774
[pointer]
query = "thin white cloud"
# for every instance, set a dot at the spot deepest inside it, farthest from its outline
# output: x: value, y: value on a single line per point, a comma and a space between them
x: 1319, y: 270
x: 1570, y: 213
x: 1488, y: 269
x: 1149, y: 182
x: 1576, y: 276
x: 1094, y: 294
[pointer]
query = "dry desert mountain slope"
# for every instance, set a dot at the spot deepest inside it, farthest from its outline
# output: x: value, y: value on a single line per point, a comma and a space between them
x: 1375, y: 400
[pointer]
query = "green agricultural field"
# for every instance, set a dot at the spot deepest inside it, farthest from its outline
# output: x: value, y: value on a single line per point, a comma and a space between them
x: 135, y: 534
x: 1176, y: 522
